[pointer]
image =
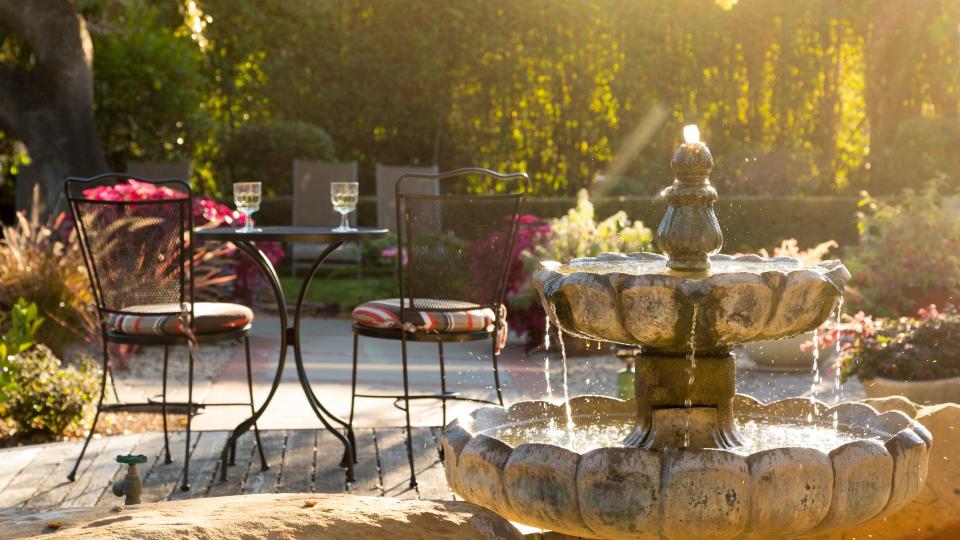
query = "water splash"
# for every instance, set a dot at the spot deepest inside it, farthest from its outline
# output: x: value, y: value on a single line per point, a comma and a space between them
x: 759, y: 435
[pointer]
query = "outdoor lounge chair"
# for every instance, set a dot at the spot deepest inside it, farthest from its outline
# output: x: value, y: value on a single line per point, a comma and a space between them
x: 311, y: 208
x: 139, y: 258
x: 455, y: 255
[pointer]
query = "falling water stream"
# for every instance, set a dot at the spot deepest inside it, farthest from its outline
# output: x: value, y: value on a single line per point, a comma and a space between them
x: 838, y: 364
x: 566, y: 388
x: 546, y: 360
x: 691, y: 371
x: 815, y: 370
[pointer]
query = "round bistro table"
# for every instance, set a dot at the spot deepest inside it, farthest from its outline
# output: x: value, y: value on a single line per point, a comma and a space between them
x: 289, y: 335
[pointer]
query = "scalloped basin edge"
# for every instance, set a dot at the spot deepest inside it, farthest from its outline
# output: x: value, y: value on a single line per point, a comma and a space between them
x: 675, y: 494
x: 633, y: 299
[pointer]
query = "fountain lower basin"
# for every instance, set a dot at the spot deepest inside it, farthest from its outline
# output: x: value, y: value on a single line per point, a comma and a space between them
x: 619, y: 492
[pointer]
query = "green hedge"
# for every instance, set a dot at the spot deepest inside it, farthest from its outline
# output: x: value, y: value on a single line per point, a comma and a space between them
x: 748, y: 223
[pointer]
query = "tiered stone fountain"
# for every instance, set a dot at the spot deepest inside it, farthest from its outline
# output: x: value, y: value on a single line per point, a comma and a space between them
x: 688, y: 457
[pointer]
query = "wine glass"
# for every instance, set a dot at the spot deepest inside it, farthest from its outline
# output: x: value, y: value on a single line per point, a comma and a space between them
x: 344, y: 197
x: 246, y: 195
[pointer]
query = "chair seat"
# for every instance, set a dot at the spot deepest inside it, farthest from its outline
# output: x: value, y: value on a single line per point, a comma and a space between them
x: 208, y: 318
x: 468, y: 317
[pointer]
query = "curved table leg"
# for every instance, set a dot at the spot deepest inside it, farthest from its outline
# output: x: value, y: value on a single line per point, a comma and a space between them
x: 261, y: 260
x: 322, y: 413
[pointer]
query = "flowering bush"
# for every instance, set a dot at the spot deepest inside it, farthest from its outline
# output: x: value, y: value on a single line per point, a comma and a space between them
x: 577, y: 234
x: 207, y: 213
x: 908, y: 252
x: 920, y: 348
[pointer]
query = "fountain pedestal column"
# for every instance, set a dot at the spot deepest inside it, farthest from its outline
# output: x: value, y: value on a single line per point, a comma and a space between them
x: 682, y: 404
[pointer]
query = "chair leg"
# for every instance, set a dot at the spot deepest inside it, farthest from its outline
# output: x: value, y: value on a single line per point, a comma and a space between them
x: 443, y: 391
x: 353, y: 399
x: 496, y: 368
x: 163, y: 407
x: 406, y: 399
x: 443, y: 383
x: 93, y: 427
x: 185, y: 485
x: 256, y: 432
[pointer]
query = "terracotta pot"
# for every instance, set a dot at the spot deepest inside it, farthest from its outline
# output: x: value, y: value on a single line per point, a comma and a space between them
x: 785, y: 354
x: 926, y: 392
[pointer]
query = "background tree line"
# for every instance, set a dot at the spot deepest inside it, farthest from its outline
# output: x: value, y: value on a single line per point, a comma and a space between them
x: 794, y: 98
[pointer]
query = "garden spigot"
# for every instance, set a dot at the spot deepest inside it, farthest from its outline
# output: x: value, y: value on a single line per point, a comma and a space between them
x: 130, y: 486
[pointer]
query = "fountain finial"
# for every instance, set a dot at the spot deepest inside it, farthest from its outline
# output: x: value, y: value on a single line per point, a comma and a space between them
x: 689, y: 231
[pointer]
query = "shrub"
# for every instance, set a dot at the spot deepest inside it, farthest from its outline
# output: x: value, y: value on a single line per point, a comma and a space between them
x: 931, y: 144
x: 907, y: 257
x: 40, y: 261
x: 921, y: 348
x: 49, y: 399
x: 24, y: 323
x: 265, y: 152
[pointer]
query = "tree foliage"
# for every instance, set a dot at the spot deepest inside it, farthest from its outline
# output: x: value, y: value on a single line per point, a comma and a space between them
x: 811, y: 97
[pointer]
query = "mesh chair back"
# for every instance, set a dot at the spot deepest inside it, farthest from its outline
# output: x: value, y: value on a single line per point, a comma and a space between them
x: 457, y: 248
x: 138, y: 253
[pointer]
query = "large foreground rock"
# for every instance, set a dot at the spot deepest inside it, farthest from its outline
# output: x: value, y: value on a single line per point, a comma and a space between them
x: 275, y: 516
x: 935, y: 512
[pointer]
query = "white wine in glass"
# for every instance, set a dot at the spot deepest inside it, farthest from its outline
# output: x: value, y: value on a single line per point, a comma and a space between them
x: 246, y: 195
x: 344, y: 197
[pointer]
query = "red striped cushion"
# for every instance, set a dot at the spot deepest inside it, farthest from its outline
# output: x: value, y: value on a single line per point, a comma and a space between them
x: 208, y: 318
x: 470, y: 317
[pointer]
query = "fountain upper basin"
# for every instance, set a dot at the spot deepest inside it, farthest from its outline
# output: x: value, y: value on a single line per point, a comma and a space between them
x: 617, y: 492
x: 635, y: 299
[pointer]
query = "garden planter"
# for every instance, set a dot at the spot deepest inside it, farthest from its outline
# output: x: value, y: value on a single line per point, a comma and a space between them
x: 785, y: 354
x: 926, y: 392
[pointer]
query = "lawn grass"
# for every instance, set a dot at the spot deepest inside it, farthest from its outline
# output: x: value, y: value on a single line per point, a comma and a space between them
x: 346, y: 292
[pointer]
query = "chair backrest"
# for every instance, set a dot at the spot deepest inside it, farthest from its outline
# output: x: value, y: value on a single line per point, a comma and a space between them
x: 138, y: 254
x: 387, y: 176
x: 311, y: 191
x: 457, y: 247
x: 160, y: 169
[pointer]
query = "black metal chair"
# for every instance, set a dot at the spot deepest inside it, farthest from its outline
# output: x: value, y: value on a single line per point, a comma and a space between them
x: 454, y: 255
x: 140, y: 259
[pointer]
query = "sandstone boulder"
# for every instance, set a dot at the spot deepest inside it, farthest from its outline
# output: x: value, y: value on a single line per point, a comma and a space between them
x: 275, y: 516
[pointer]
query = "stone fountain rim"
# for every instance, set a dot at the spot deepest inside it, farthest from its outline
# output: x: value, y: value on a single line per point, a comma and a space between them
x: 887, y: 425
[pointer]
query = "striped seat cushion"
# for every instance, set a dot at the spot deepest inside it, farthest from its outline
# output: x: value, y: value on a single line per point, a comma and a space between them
x: 385, y: 314
x: 208, y: 318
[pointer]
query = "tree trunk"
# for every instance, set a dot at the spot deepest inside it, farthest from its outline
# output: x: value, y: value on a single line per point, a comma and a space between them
x: 49, y: 107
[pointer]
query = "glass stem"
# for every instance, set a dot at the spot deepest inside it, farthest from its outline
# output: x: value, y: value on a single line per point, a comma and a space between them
x: 343, y: 220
